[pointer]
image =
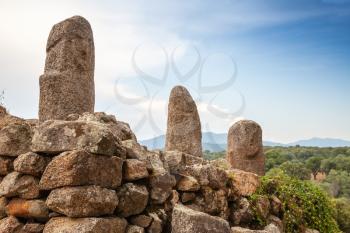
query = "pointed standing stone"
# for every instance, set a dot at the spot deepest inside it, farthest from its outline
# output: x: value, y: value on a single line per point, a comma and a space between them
x: 184, y: 127
x: 67, y: 85
x: 245, y: 148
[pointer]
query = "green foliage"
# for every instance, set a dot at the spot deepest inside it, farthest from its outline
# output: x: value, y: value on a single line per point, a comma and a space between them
x: 304, y: 203
x: 296, y: 169
x: 342, y: 214
x: 314, y: 164
x: 213, y: 155
x: 340, y: 162
x: 337, y: 184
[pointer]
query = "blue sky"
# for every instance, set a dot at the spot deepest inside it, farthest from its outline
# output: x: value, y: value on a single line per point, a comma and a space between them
x: 291, y: 61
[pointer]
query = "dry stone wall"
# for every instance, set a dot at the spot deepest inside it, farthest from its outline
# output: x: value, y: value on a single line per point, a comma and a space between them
x: 74, y: 172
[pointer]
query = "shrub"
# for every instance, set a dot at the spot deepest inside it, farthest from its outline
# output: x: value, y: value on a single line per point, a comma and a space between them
x: 305, y: 205
x: 342, y: 214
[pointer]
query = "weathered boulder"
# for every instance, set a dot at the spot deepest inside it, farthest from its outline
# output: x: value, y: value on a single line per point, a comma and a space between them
x: 243, y: 183
x: 245, y: 148
x: 32, y: 228
x: 135, y: 169
x: 186, y: 220
x: 6, y: 165
x: 119, y: 129
x: 83, y: 201
x: 57, y: 136
x: 3, y: 204
x: 161, y: 186
x: 156, y: 225
x: 188, y: 183
x: 67, y: 85
x: 184, y: 126
x: 141, y: 220
x: 241, y: 212
x: 134, y: 229
x: 30, y: 163
x: 28, y: 209
x: 82, y: 168
x: 19, y: 185
x: 271, y: 228
x: 10, y: 225
x: 133, y: 199
x: 207, y: 175
x: 179, y: 161
x: 15, y: 138
x: 213, y: 202
x: 85, y: 225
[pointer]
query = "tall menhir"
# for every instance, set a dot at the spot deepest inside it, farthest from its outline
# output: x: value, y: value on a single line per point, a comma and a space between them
x: 245, y: 147
x: 67, y: 85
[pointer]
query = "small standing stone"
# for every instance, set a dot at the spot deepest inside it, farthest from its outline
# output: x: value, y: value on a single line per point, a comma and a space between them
x: 245, y: 148
x: 184, y: 126
x: 67, y: 85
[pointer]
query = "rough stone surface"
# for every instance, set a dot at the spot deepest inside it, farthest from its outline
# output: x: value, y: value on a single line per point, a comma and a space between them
x: 84, y: 201
x: 134, y: 229
x: 67, y: 85
x: 18, y: 185
x: 15, y: 138
x: 133, y: 199
x: 28, y: 209
x: 119, y: 129
x: 32, y: 228
x: 85, y: 225
x: 243, y: 183
x: 135, y: 169
x: 3, y: 203
x: 242, y: 212
x: 213, y: 202
x: 186, y: 220
x: 30, y: 163
x: 183, y: 127
x: 188, y: 183
x: 245, y: 148
x: 10, y: 225
x: 156, y: 225
x: 6, y: 165
x: 271, y: 228
x: 141, y: 220
x: 57, y: 136
x: 161, y: 187
x: 81, y: 168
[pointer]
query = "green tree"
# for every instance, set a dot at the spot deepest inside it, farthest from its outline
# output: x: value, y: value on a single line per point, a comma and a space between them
x: 314, y: 164
x: 337, y: 183
x: 296, y: 169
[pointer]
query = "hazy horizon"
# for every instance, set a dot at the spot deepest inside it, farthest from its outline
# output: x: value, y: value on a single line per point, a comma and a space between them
x: 283, y: 64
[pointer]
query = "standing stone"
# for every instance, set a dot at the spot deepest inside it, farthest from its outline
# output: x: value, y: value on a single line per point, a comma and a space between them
x: 245, y: 148
x: 184, y: 126
x: 67, y: 85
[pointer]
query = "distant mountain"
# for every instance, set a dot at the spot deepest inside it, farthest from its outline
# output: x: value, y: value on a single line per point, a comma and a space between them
x: 217, y: 142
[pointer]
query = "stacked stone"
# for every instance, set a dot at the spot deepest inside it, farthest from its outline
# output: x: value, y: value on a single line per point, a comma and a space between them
x: 20, y: 172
